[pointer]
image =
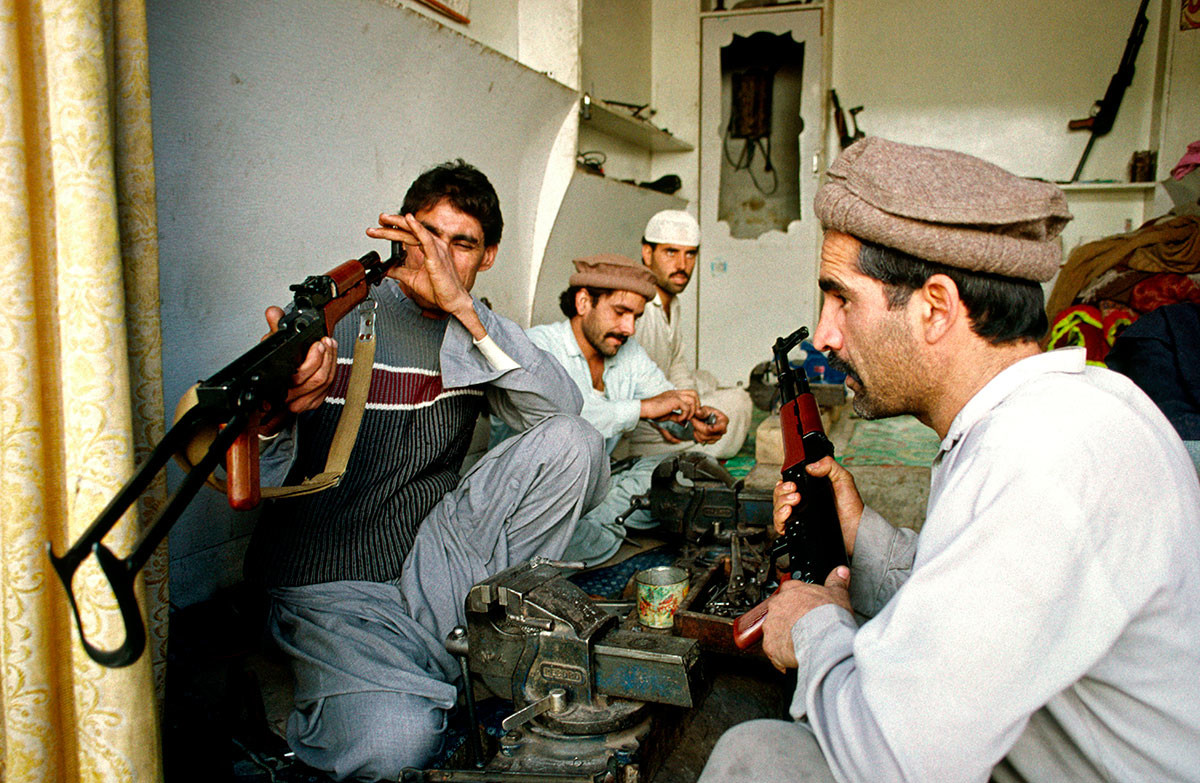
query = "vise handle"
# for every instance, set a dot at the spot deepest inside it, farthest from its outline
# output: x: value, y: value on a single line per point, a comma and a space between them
x: 554, y: 701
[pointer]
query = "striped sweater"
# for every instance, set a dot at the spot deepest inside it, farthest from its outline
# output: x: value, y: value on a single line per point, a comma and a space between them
x: 414, y: 435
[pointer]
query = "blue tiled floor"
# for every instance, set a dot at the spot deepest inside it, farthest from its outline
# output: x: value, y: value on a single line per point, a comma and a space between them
x: 609, y: 582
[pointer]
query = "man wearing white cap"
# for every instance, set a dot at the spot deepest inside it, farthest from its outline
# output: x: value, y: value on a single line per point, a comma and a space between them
x: 670, y: 247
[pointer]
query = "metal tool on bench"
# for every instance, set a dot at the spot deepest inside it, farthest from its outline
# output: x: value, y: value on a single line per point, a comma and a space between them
x: 723, y: 534
x: 581, y: 685
x: 686, y: 430
x: 690, y: 496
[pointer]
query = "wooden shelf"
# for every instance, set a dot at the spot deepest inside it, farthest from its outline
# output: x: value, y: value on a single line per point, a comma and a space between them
x: 1104, y: 186
x: 640, y: 132
x: 786, y: 6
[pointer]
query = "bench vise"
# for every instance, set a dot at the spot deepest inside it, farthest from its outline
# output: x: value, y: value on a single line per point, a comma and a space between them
x: 582, y: 680
x: 530, y: 631
x: 692, y: 497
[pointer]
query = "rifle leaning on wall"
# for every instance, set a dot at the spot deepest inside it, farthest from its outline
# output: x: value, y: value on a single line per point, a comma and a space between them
x: 1104, y: 111
x: 234, y: 400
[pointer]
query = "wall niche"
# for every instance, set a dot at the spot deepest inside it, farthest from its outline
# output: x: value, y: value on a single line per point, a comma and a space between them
x: 762, y: 76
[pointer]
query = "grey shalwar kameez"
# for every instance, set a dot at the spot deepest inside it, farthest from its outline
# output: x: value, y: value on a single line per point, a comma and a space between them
x: 373, y: 680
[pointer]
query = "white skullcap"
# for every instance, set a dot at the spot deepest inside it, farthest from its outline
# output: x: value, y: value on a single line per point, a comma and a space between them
x: 674, y: 227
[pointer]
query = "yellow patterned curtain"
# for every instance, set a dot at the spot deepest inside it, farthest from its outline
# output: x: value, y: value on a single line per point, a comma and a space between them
x: 80, y: 382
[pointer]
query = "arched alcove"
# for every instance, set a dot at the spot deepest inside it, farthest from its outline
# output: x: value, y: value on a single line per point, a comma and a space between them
x: 761, y: 88
x: 758, y: 250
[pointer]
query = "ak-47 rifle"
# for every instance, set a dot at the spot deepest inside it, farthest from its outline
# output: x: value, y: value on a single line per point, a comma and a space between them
x: 235, y: 400
x: 1104, y: 111
x: 845, y: 137
x: 812, y: 538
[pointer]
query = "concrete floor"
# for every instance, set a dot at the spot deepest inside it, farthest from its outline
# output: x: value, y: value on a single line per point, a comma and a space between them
x: 739, y: 691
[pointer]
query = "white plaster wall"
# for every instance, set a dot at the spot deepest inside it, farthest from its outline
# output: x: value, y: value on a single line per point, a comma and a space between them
x: 675, y: 69
x: 997, y: 80
x: 494, y: 23
x: 549, y: 37
x: 616, y: 50
x: 1181, y: 121
x: 598, y: 215
x: 542, y: 34
x: 1002, y: 80
x: 282, y: 128
x: 615, y: 65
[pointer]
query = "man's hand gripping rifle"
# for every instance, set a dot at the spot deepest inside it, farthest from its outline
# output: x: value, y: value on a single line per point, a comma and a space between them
x: 812, y: 538
x: 235, y: 399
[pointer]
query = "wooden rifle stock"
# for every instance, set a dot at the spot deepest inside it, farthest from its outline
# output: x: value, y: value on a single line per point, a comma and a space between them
x: 234, y: 401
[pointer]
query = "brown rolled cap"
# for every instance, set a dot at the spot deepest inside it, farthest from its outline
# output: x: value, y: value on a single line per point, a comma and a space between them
x: 946, y: 207
x: 614, y: 272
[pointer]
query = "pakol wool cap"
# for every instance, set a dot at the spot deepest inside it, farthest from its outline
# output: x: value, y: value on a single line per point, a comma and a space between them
x: 614, y: 272
x: 945, y: 207
x: 674, y: 227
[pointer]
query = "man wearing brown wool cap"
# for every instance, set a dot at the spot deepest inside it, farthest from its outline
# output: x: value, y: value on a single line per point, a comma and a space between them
x: 621, y: 385
x: 1045, y: 624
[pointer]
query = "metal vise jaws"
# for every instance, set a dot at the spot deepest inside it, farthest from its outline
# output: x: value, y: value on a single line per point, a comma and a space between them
x: 565, y: 662
x: 693, y: 498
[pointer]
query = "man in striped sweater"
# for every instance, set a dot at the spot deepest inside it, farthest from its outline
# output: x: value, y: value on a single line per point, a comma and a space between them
x: 367, y: 579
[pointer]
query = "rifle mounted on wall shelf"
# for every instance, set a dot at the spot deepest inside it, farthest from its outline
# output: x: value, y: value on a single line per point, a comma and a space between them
x: 235, y: 401
x: 1104, y: 111
x: 845, y: 136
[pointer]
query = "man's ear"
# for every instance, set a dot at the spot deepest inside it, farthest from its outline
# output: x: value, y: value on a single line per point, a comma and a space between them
x: 647, y: 253
x: 489, y: 257
x: 941, y: 309
x: 583, y: 301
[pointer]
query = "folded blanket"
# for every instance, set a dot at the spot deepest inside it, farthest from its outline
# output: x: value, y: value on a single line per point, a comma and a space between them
x: 1166, y: 245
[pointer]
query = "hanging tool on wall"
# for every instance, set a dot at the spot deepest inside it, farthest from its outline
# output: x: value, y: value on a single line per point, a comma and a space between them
x: 639, y: 111
x: 750, y: 120
x: 1104, y: 111
x: 231, y: 404
x: 845, y: 136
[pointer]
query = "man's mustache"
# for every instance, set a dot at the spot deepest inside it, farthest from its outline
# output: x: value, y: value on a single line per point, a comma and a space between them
x: 621, y: 338
x: 843, y: 366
